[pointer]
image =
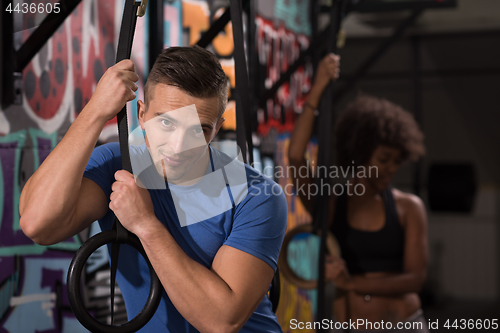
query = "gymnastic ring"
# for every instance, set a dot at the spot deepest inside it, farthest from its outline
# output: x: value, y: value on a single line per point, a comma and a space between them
x: 331, y: 245
x: 75, y: 297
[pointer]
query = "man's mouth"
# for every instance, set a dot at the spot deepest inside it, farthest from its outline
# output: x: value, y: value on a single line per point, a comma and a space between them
x: 173, y: 161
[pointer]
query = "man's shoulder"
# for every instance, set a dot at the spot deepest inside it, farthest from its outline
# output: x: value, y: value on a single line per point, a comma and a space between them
x: 257, y: 183
x: 105, y: 160
x: 110, y: 149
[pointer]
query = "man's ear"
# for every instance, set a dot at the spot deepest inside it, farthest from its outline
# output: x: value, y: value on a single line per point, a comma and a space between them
x: 141, y: 113
x: 219, y: 125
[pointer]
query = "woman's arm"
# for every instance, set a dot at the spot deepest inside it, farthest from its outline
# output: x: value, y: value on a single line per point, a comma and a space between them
x: 328, y: 69
x: 415, y: 260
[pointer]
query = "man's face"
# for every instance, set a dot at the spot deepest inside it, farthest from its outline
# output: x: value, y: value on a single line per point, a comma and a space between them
x: 178, y: 128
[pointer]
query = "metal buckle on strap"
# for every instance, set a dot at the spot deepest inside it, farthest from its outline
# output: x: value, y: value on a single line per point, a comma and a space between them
x: 141, y: 10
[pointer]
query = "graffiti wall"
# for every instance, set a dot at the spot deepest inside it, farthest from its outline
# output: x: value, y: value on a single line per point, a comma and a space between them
x: 58, y: 83
x: 296, y: 303
x: 283, y: 29
x: 32, y: 277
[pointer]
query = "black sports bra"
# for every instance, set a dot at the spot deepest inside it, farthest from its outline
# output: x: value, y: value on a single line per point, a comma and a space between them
x: 370, y: 251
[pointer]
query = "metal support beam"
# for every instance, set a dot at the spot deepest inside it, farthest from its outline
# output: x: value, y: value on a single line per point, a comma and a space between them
x: 379, y: 52
x: 219, y: 25
x: 253, y: 68
x: 377, y: 6
x: 434, y: 73
x: 417, y: 107
x: 314, y: 15
x: 215, y: 28
x: 243, y: 116
x: 155, y: 27
x: 12, y: 61
x: 6, y: 58
x: 315, y: 47
x: 42, y: 34
x: 325, y: 158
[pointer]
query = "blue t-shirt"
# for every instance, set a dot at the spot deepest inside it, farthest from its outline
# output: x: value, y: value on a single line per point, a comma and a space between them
x: 254, y: 223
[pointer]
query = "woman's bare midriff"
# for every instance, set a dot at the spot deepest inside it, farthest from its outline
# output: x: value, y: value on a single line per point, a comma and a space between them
x: 351, y: 305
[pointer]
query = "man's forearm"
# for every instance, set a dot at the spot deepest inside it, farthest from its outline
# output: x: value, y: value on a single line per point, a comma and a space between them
x: 49, y: 197
x: 199, y: 294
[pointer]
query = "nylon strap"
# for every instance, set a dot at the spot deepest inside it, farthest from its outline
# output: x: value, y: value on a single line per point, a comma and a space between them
x: 325, y: 141
x: 243, y: 116
x: 124, y: 50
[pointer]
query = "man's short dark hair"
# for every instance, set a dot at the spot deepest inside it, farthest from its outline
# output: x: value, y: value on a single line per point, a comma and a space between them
x: 369, y: 122
x: 192, y: 69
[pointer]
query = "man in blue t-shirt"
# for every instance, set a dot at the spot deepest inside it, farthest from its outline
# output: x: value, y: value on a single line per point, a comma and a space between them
x: 211, y: 226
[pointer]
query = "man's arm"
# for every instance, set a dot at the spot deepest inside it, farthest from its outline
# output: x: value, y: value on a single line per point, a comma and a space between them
x: 219, y: 299
x: 57, y: 202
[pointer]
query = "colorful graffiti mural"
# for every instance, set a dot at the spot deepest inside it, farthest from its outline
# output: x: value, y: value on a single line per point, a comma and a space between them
x: 57, y: 84
x: 296, y: 303
x: 32, y: 280
x: 196, y: 19
x: 282, y: 31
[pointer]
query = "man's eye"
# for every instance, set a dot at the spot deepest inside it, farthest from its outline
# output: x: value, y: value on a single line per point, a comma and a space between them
x: 166, y: 123
x: 198, y: 131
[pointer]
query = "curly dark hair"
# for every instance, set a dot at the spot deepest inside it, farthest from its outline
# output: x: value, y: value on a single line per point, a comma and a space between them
x: 368, y: 122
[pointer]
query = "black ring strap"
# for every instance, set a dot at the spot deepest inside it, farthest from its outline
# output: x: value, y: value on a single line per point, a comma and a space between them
x: 118, y: 234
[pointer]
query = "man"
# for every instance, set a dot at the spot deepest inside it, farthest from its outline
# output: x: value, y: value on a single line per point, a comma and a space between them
x: 216, y: 269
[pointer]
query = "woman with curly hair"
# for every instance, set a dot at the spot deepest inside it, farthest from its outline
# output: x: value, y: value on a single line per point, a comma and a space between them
x: 382, y: 231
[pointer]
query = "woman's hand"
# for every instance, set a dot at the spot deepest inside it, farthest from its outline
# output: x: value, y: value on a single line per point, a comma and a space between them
x: 328, y: 69
x: 336, y: 271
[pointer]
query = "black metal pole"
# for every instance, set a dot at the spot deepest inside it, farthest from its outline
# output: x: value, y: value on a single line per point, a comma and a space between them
x: 417, y: 107
x: 325, y: 154
x: 314, y: 14
x: 363, y: 69
x: 155, y: 27
x: 40, y: 36
x: 253, y: 66
x: 214, y: 29
x: 6, y: 58
x: 243, y: 117
x: 315, y: 47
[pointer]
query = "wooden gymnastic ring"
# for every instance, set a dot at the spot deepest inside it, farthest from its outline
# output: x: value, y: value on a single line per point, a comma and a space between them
x: 332, y: 247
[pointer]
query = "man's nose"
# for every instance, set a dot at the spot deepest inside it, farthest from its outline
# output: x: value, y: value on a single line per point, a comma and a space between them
x: 177, y: 142
x: 181, y: 141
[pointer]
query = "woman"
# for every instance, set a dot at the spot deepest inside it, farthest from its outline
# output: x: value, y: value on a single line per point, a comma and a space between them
x: 382, y: 232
